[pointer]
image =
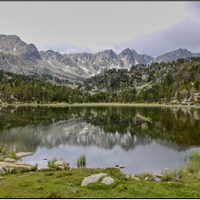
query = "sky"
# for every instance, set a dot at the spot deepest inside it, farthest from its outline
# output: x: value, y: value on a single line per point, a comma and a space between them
x: 148, y: 27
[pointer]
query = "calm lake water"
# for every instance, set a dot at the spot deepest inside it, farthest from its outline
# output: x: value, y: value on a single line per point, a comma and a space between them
x: 144, y: 139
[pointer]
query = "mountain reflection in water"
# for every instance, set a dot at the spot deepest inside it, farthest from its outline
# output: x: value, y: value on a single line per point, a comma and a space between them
x: 34, y: 128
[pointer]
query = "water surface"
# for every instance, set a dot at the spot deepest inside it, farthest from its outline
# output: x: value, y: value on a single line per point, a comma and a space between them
x: 144, y: 139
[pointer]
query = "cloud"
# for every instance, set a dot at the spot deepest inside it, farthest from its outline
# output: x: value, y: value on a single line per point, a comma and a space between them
x: 193, y: 8
x: 183, y: 35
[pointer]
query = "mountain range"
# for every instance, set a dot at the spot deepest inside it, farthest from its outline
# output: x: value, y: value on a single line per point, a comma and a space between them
x: 19, y: 57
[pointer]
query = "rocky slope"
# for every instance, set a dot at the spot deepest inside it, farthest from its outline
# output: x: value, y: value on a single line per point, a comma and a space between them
x: 18, y: 57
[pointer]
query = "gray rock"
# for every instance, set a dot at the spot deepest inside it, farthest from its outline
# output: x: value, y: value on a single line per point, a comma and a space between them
x: 61, y: 163
x: 92, y: 179
x: 9, y: 160
x: 107, y: 180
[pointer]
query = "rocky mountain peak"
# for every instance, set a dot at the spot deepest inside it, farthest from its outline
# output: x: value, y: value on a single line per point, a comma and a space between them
x: 174, y: 55
x: 13, y: 45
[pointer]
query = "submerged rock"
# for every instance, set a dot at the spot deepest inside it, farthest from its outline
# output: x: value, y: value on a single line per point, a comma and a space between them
x: 92, y: 179
x: 120, y: 166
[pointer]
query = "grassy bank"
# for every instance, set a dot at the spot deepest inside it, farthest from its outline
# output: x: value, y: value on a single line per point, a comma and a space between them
x: 181, y: 183
x: 106, y: 104
x: 66, y: 184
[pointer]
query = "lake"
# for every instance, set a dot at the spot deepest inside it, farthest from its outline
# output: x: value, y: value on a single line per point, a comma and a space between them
x: 144, y: 139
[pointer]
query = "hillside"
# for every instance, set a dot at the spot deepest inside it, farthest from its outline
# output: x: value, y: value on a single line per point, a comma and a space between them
x: 174, y: 83
x: 164, y: 82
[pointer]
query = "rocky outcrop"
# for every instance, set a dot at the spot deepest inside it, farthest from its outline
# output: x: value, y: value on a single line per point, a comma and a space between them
x: 173, y: 55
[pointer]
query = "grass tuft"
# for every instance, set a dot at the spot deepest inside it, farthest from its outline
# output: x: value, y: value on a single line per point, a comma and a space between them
x: 81, y: 161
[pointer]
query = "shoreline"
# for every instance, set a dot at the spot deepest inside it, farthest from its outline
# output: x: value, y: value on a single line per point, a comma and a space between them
x: 107, y: 104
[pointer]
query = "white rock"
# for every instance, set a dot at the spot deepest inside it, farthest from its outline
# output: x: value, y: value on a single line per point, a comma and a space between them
x: 89, y: 167
x: 107, y: 180
x: 158, y: 175
x: 136, y: 178
x: 146, y: 178
x: 61, y: 167
x: 121, y: 166
x: 9, y: 160
x: 92, y: 179
x: 127, y: 176
x: 61, y: 163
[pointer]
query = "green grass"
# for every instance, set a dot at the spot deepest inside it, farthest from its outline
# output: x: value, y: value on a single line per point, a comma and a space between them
x: 67, y: 184
x: 7, y: 153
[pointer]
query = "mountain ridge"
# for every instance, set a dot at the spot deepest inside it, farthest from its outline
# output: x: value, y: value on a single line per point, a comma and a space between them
x: 19, y: 57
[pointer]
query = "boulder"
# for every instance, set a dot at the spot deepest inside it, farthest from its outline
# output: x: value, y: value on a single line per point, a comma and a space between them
x: 22, y: 154
x: 107, y: 180
x: 61, y: 163
x: 92, y: 179
x: 9, y: 160
x: 121, y: 166
x: 136, y: 178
